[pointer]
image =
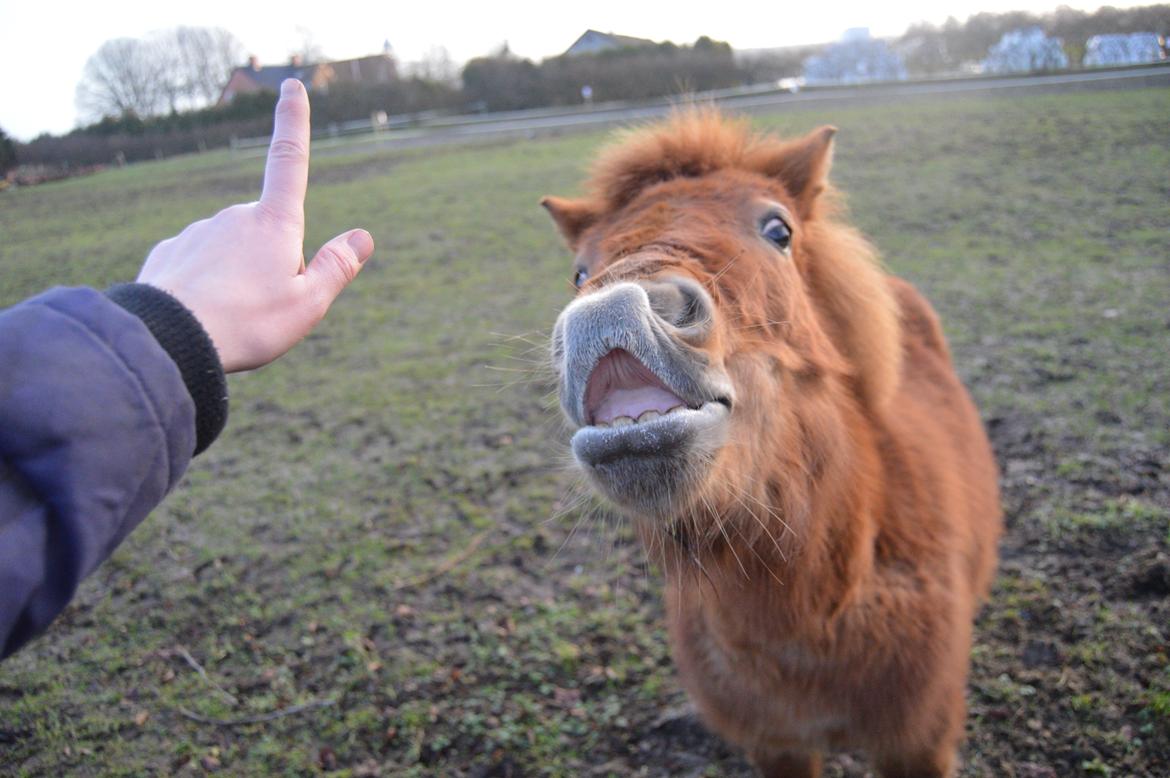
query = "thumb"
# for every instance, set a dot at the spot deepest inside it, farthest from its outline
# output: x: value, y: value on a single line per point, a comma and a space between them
x: 337, y: 263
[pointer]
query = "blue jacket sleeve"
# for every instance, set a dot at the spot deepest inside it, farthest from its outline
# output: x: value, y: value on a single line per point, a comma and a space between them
x: 97, y: 424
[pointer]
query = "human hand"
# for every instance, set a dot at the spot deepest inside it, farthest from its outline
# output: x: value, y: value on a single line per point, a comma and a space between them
x: 242, y: 272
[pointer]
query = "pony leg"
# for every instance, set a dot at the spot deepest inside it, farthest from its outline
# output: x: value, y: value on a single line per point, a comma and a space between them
x: 934, y: 753
x: 788, y: 764
x: 940, y: 763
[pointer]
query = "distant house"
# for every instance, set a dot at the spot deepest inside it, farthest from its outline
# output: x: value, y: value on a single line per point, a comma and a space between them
x: 1025, y: 50
x: 593, y: 41
x: 1128, y: 49
x: 254, y: 77
x: 855, y: 59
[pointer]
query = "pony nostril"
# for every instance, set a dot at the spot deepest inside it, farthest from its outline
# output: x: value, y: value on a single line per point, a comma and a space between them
x: 696, y: 307
x: 695, y: 310
x: 680, y: 302
x: 666, y: 300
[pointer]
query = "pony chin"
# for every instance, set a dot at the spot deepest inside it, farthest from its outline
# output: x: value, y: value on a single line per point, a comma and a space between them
x: 655, y: 469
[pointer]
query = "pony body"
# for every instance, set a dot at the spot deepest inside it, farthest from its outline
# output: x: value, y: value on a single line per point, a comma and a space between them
x: 781, y: 419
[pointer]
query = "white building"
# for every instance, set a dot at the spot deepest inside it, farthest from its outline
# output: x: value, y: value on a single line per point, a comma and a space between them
x: 855, y: 59
x: 1025, y: 50
x: 1131, y: 49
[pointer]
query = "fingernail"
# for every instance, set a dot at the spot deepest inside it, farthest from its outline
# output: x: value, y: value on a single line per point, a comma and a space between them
x: 288, y: 87
x: 362, y: 244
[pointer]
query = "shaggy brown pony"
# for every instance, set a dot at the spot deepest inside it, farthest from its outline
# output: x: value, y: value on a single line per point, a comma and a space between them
x: 782, y: 420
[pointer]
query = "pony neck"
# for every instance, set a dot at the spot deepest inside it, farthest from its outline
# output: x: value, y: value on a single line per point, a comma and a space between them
x: 803, y: 538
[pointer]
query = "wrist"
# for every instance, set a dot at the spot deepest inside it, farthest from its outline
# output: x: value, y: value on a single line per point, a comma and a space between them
x: 185, y: 340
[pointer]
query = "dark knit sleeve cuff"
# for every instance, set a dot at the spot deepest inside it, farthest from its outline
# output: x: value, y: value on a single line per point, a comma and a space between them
x: 182, y: 336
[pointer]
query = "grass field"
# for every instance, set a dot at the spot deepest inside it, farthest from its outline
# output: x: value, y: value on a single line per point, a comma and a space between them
x: 383, y: 532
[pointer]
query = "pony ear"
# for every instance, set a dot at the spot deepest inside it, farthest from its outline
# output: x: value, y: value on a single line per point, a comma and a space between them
x: 572, y: 217
x: 803, y: 166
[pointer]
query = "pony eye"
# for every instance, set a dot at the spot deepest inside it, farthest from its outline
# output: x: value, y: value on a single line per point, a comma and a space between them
x: 580, y: 277
x: 776, y: 231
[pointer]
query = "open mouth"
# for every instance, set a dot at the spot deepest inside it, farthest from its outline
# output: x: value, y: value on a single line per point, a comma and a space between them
x: 632, y: 413
x: 621, y: 390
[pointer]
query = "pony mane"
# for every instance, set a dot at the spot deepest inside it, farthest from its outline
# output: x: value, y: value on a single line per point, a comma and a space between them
x: 692, y: 142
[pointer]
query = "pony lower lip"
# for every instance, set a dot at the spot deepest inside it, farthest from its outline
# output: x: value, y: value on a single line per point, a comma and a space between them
x: 667, y: 435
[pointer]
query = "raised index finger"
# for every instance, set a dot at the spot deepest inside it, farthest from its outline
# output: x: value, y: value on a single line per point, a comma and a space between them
x: 286, y: 174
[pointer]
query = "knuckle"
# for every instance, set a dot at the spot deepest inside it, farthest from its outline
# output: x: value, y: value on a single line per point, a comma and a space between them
x: 340, y: 263
x: 229, y: 217
x: 287, y: 149
x: 237, y: 211
x: 274, y: 215
x: 341, y: 266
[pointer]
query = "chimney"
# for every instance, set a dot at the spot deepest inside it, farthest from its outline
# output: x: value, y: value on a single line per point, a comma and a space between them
x: 254, y: 62
x: 295, y: 60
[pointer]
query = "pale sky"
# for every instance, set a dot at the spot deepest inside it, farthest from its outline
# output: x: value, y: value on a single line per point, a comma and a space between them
x: 44, y: 44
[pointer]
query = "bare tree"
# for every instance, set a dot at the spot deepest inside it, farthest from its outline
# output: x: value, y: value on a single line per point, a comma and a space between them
x: 309, y: 52
x: 176, y: 69
x: 170, y: 71
x: 435, y: 65
x: 122, y: 77
x: 205, y: 57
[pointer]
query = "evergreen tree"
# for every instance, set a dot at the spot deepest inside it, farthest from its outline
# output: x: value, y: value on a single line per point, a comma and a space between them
x: 7, y: 153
